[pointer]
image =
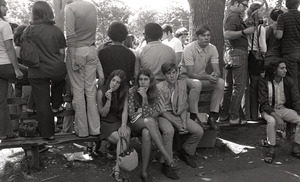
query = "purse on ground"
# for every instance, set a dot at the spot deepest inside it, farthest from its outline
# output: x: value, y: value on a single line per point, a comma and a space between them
x: 128, y: 160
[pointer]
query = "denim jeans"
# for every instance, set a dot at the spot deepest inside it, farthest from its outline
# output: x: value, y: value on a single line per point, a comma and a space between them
x: 235, y: 83
x: 6, y: 73
x: 287, y: 115
x: 292, y: 61
x: 190, y: 145
x: 82, y: 74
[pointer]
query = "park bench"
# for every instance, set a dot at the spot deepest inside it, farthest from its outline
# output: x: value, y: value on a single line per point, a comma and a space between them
x: 31, y: 145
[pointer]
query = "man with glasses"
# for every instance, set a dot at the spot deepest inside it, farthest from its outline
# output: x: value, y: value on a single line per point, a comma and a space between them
x: 235, y: 32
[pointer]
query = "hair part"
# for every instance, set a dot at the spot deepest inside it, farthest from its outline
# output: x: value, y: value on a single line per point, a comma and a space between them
x: 122, y: 90
x: 152, y: 89
x: 202, y: 30
x: 166, y: 67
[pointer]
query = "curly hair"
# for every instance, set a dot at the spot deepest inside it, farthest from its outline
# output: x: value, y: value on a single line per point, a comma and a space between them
x: 122, y: 91
x: 152, y: 91
x: 117, y: 31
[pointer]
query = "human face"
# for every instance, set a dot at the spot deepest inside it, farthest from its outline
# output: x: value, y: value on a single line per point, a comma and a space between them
x: 281, y: 70
x: 115, y: 83
x: 241, y: 7
x: 171, y: 76
x: 204, y: 39
x: 3, y: 8
x: 144, y: 81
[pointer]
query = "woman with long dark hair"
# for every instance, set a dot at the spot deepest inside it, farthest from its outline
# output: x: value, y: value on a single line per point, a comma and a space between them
x: 9, y: 70
x: 143, y: 98
x: 113, y: 108
x: 52, y: 71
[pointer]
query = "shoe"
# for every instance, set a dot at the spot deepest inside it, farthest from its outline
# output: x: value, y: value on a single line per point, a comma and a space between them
x: 175, y: 166
x: 116, y: 175
x: 187, y: 159
x: 169, y: 172
x: 269, y: 158
x: 234, y: 121
x: 213, y: 123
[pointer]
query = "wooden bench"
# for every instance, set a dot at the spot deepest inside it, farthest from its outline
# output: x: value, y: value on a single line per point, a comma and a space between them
x: 31, y: 145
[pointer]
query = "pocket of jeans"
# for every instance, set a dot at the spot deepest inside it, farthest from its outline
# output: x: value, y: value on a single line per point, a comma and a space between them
x: 92, y: 57
x: 80, y: 60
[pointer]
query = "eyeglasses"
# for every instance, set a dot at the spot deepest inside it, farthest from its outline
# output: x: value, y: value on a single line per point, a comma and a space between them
x: 245, y: 5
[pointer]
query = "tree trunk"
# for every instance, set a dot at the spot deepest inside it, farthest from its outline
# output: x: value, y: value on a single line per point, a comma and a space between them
x: 211, y: 13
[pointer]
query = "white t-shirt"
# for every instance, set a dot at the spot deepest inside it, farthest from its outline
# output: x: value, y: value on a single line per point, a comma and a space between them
x: 174, y: 43
x: 5, y: 34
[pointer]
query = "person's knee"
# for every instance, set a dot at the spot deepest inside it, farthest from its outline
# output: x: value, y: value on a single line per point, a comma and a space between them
x: 167, y: 132
x: 271, y: 122
x: 146, y: 135
x: 197, y: 131
x: 197, y: 85
x: 220, y: 84
x: 150, y: 122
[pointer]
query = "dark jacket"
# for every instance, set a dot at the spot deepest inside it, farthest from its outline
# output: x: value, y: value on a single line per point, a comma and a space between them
x: 290, y: 91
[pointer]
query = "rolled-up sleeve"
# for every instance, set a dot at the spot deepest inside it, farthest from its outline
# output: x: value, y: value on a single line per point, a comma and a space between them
x: 214, y: 55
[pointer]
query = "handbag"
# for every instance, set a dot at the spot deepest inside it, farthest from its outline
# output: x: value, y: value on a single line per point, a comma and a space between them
x: 128, y: 160
x: 28, y: 129
x: 255, y: 58
x: 29, y: 51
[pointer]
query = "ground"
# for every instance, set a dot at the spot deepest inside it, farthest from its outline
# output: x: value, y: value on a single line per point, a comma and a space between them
x: 214, y: 164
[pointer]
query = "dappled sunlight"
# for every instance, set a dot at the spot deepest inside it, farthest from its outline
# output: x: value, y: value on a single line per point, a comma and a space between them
x: 206, y: 179
x: 236, y: 148
x: 293, y: 174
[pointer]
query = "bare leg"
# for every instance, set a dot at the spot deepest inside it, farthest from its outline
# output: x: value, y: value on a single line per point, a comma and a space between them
x: 146, y: 151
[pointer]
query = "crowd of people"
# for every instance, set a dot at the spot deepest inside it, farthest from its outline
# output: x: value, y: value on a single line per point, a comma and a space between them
x: 153, y: 91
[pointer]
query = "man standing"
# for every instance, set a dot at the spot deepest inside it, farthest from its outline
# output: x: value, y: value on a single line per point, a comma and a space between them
x: 172, y: 41
x: 154, y: 53
x: 173, y: 107
x: 288, y: 30
x: 82, y: 62
x: 196, y: 56
x: 235, y: 31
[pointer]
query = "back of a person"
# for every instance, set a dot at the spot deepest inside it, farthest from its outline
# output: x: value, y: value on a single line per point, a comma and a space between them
x: 49, y: 39
x: 291, y: 31
x: 85, y: 22
x: 155, y: 54
x: 114, y: 57
x: 273, y: 44
x: 174, y: 43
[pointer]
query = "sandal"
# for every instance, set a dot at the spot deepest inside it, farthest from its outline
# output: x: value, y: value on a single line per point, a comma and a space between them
x: 296, y: 154
x: 269, y: 158
x: 116, y: 175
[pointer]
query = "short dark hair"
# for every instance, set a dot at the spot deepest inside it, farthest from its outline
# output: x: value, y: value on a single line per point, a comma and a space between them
x: 18, y: 33
x: 292, y: 4
x: 117, y: 31
x: 166, y: 67
x: 275, y: 13
x: 167, y: 28
x: 2, y: 3
x: 202, y: 30
x: 253, y: 7
x: 153, y: 31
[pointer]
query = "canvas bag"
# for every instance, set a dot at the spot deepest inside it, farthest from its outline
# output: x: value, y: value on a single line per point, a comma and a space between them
x: 29, y: 51
x: 255, y: 58
x: 128, y: 160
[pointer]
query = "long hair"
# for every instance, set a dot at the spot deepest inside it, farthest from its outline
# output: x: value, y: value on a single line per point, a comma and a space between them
x: 122, y: 91
x: 2, y: 3
x: 152, y: 90
x: 42, y: 11
x: 272, y: 68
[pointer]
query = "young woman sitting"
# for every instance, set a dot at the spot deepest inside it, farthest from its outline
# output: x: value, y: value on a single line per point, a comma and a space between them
x: 143, y: 98
x: 113, y: 106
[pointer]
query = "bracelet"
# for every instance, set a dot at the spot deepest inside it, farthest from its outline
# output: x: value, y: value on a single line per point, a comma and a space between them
x: 243, y: 32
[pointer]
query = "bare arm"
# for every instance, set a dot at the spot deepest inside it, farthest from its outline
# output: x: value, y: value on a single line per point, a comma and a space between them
x: 13, y: 57
x: 103, y: 109
x: 231, y: 35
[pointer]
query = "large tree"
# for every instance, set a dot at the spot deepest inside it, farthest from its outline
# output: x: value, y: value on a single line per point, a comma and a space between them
x: 211, y: 13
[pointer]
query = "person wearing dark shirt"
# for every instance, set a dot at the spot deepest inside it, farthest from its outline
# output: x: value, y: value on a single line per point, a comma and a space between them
x: 115, y: 55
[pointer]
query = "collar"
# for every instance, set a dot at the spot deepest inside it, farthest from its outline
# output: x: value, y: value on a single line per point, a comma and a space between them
x: 154, y: 42
x: 200, y: 49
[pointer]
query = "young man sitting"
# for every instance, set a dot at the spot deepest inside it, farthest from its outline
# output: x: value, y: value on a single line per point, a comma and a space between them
x: 173, y: 107
x: 279, y: 101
